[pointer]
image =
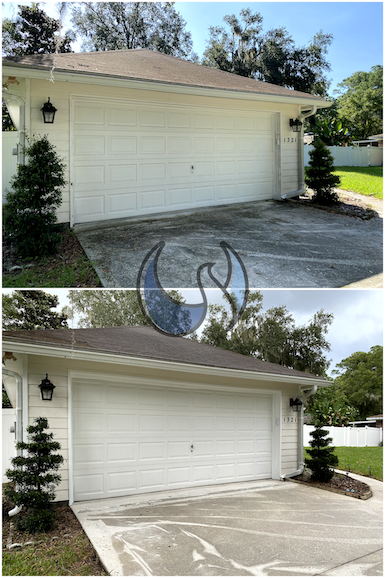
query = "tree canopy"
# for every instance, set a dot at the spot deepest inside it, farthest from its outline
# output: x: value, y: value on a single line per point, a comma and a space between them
x: 32, y: 310
x: 242, y: 48
x: 272, y: 335
x: 33, y: 32
x: 126, y: 25
x: 360, y: 102
x: 359, y: 378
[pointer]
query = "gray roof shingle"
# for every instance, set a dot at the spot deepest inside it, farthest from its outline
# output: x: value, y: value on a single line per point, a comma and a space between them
x: 142, y: 64
x: 148, y: 343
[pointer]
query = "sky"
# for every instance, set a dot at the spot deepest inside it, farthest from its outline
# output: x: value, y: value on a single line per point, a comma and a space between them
x: 357, y: 27
x: 358, y: 314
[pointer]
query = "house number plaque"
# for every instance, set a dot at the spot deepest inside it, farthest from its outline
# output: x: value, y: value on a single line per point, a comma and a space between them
x: 290, y: 139
x: 289, y: 419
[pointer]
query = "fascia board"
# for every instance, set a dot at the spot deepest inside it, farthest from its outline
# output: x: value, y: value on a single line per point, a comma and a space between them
x: 82, y: 355
x: 159, y: 86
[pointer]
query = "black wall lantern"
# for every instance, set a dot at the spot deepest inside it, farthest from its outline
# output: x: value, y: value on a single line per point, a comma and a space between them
x: 48, y: 111
x: 46, y: 388
x: 295, y: 125
x: 295, y: 404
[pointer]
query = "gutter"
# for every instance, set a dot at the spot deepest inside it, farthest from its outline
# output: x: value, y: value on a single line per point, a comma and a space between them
x: 301, y: 162
x: 19, y: 421
x: 301, y: 467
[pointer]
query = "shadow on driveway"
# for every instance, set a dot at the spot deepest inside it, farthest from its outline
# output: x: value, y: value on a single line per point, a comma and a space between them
x: 282, y: 244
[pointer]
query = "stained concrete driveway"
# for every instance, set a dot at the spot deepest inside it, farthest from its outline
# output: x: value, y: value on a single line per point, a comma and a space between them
x: 282, y: 244
x: 265, y: 528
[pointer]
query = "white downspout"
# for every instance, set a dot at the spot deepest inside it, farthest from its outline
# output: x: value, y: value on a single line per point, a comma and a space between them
x: 298, y: 472
x: 301, y: 161
x: 19, y: 420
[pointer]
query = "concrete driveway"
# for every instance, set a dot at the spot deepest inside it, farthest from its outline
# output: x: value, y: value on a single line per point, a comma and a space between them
x: 265, y: 528
x: 282, y: 244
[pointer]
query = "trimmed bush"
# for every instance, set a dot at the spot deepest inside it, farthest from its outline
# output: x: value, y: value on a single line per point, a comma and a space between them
x: 319, y: 174
x: 322, y: 458
x: 29, y: 214
x: 34, y: 478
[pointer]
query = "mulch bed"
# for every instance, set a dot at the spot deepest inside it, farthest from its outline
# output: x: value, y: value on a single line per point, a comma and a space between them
x: 350, y: 207
x: 66, y: 529
x: 69, y: 252
x: 340, y: 484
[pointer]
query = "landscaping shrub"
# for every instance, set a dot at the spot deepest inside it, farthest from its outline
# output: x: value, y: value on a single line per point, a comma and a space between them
x: 34, y: 478
x: 322, y: 458
x: 319, y: 175
x: 29, y: 214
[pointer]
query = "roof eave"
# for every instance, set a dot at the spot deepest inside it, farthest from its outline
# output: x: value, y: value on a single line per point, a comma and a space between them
x: 81, y: 354
x: 43, y: 72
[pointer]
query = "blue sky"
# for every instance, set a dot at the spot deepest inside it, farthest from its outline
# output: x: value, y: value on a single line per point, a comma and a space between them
x: 357, y: 27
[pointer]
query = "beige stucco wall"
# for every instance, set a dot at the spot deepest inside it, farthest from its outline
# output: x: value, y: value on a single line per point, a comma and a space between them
x: 56, y: 411
x: 38, y: 91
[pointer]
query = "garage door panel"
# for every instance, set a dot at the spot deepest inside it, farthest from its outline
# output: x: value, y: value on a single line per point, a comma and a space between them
x: 151, y: 200
x: 179, y: 145
x: 123, y: 201
x: 121, y: 145
x: 152, y: 479
x: 146, y: 439
x: 179, y: 449
x: 225, y: 448
x: 87, y: 113
x: 121, y: 117
x: 89, y: 454
x: 120, y: 482
x: 121, y: 423
x: 154, y: 145
x: 90, y: 145
x: 179, y: 476
x: 152, y: 450
x: 121, y: 453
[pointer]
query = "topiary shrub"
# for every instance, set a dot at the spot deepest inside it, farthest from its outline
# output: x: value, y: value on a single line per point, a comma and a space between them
x: 322, y: 458
x: 29, y: 213
x: 319, y: 174
x: 34, y: 478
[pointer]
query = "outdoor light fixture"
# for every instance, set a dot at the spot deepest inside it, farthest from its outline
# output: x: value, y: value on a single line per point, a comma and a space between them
x: 48, y: 111
x: 296, y: 124
x: 295, y: 404
x: 46, y: 388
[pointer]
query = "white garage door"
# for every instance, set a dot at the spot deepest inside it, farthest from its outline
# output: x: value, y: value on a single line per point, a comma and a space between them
x: 129, y: 439
x: 135, y: 159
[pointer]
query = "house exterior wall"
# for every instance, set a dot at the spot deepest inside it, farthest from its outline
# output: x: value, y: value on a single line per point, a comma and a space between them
x: 59, y: 133
x: 57, y: 411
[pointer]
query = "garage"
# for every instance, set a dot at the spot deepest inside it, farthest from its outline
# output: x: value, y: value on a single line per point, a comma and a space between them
x: 131, y: 438
x: 132, y: 158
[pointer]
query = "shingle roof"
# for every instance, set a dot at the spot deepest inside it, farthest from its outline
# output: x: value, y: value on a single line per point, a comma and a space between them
x: 148, y: 343
x: 154, y: 67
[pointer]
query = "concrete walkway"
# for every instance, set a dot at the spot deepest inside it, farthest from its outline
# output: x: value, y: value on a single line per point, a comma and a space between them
x: 282, y: 245
x: 265, y: 528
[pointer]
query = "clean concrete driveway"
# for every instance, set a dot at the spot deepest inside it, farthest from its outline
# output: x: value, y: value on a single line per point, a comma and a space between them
x: 265, y: 528
x: 282, y: 244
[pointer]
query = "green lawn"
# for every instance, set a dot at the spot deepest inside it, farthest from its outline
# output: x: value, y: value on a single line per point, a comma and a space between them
x: 360, y: 460
x: 363, y: 180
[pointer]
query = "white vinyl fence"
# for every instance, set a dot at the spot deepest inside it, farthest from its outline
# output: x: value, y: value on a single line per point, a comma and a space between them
x: 9, y: 161
x: 351, y: 156
x: 7, y: 441
x: 348, y: 436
